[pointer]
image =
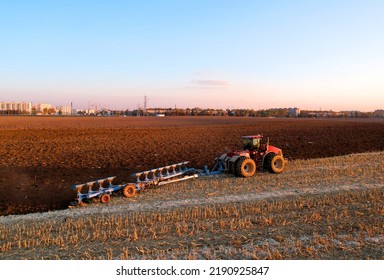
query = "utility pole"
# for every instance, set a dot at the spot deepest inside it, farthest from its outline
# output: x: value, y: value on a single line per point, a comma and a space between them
x: 145, y: 105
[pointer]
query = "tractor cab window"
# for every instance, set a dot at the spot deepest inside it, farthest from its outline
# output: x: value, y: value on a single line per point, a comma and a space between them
x: 247, y: 143
x: 251, y: 144
x: 256, y: 143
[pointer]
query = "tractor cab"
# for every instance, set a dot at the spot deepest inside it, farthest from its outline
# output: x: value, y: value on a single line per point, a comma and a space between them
x: 255, y: 143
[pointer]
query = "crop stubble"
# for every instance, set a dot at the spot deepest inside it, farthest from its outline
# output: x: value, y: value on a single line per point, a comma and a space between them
x: 329, y: 208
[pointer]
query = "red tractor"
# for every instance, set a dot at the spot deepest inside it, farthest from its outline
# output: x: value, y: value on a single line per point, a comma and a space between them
x: 256, y: 153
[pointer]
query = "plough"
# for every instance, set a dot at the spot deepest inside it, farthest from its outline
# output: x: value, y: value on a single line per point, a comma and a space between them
x: 256, y: 154
x: 103, y: 188
x: 95, y: 189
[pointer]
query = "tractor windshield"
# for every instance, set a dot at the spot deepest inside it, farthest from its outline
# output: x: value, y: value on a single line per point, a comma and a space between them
x: 247, y: 143
x: 251, y: 144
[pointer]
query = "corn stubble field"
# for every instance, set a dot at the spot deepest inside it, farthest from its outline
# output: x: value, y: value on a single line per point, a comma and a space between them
x: 328, y: 208
x: 320, y: 208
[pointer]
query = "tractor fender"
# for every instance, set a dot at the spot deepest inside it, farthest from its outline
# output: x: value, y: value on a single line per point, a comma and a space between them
x: 234, y: 159
x: 222, y: 157
x: 273, y: 149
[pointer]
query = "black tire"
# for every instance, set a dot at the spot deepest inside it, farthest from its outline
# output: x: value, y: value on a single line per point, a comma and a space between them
x: 232, y: 167
x: 245, y: 167
x: 275, y: 163
x: 129, y: 190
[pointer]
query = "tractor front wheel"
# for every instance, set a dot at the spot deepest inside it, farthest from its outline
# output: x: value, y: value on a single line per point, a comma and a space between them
x: 275, y: 163
x: 245, y: 167
x: 129, y: 191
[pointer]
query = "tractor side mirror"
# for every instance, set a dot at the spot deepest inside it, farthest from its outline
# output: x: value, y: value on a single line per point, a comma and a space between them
x: 266, y: 140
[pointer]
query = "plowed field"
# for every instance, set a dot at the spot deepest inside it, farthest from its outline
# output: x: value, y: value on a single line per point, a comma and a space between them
x: 41, y: 157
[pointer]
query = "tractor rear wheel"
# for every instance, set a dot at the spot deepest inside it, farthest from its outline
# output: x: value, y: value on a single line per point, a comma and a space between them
x: 105, y: 198
x: 232, y: 167
x: 275, y: 163
x: 245, y: 167
x: 129, y: 190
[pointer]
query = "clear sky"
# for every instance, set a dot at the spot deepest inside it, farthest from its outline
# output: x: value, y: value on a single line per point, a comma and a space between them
x: 257, y: 54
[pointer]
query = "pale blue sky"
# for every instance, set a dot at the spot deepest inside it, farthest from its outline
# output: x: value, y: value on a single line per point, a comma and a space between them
x: 221, y: 54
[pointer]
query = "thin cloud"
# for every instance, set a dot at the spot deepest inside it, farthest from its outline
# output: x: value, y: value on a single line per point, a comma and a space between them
x: 211, y: 83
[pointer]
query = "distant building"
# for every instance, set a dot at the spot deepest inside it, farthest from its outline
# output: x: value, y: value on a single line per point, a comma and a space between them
x: 293, y: 112
x: 16, y: 108
x: 42, y: 108
x: 63, y: 110
x: 155, y: 111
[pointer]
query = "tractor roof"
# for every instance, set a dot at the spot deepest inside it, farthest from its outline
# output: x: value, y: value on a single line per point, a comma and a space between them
x: 257, y: 136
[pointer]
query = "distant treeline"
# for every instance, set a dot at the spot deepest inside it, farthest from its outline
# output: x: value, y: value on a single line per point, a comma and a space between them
x: 271, y: 113
x: 268, y: 113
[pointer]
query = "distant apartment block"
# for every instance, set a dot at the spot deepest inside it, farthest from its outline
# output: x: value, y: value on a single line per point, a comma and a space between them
x: 63, y: 110
x: 16, y: 108
x: 42, y: 108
